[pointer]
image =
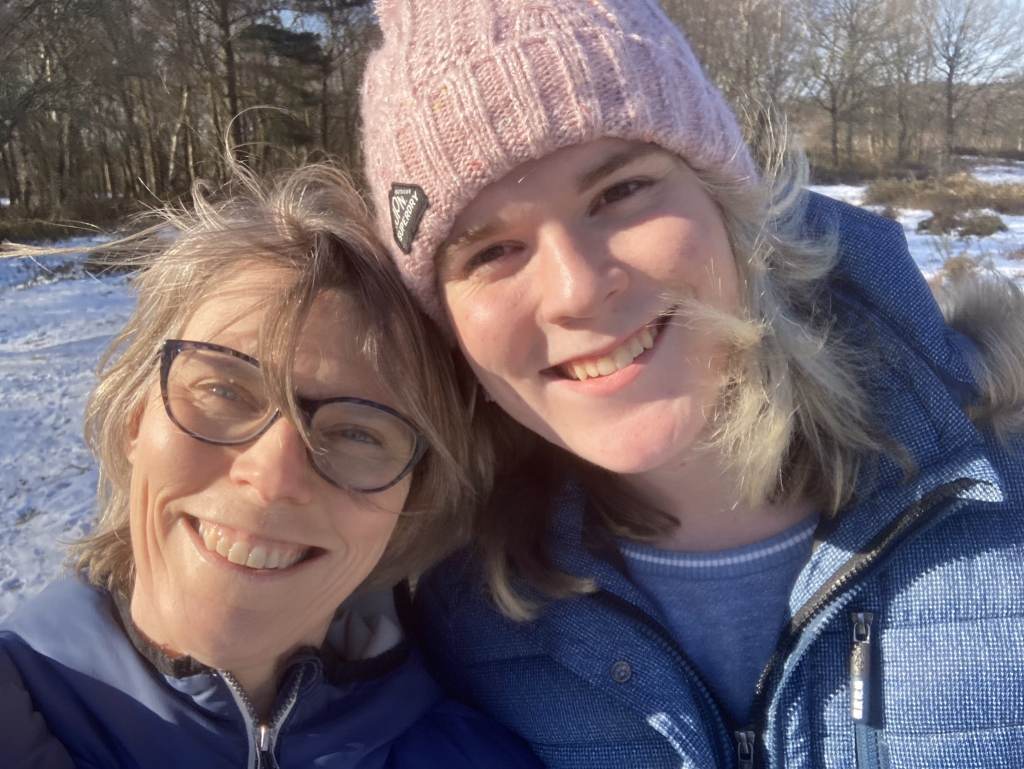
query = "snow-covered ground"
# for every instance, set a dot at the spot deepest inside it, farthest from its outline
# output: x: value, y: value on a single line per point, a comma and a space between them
x: 1001, y: 172
x: 930, y: 251
x: 55, y: 320
x: 52, y: 332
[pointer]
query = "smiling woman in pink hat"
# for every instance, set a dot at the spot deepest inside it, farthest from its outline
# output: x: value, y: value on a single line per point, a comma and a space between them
x: 756, y: 503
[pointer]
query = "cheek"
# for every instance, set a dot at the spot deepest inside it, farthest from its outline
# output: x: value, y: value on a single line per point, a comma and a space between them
x: 367, y: 522
x: 691, y: 256
x: 494, y: 326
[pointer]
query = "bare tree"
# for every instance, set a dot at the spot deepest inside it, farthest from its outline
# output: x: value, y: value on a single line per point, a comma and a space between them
x: 975, y: 42
x: 843, y: 59
x: 905, y: 60
x: 752, y: 49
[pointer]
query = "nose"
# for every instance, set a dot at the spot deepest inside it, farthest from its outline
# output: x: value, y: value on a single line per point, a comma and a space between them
x: 275, y: 466
x: 579, y: 276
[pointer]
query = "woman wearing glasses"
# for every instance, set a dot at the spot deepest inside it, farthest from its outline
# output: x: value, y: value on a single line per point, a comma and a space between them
x: 760, y: 506
x: 275, y: 433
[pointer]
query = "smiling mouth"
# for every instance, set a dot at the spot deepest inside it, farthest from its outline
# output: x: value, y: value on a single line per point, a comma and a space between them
x: 582, y: 369
x: 243, y: 549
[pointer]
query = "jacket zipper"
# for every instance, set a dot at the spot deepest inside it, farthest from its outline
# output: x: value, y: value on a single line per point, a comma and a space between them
x: 860, y: 666
x: 906, y: 523
x: 262, y: 735
x: 745, y: 739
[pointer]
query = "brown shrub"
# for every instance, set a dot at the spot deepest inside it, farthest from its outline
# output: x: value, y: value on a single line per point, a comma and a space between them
x: 981, y: 225
x: 956, y: 192
x: 970, y: 224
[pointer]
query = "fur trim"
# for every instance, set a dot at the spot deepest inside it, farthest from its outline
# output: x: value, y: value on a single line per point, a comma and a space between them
x: 988, y: 308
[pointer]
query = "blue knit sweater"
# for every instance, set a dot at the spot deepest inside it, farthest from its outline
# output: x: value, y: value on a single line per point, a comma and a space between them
x: 905, y: 643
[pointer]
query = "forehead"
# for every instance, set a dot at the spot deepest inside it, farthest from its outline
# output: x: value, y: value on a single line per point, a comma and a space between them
x: 566, y: 169
x: 329, y: 358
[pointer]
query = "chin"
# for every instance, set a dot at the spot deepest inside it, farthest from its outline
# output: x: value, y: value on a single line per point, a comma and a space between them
x: 222, y: 640
x: 640, y: 449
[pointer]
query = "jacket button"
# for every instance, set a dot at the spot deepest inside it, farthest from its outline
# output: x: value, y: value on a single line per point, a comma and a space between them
x: 622, y: 671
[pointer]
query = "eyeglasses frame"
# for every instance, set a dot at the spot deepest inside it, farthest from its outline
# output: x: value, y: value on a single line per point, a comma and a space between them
x: 171, y: 348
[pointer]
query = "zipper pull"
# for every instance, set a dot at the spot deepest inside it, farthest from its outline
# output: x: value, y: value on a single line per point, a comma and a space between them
x: 263, y: 737
x: 860, y: 666
x: 744, y: 748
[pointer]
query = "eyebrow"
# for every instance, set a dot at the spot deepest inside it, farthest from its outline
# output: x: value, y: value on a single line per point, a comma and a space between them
x: 613, y: 163
x: 466, y: 238
x: 584, y: 181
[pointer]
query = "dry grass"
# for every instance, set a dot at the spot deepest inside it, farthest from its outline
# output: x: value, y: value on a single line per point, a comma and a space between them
x: 958, y: 267
x: 959, y: 192
x: 970, y: 224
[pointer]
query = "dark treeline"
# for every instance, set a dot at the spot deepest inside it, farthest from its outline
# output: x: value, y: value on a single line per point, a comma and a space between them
x: 108, y: 103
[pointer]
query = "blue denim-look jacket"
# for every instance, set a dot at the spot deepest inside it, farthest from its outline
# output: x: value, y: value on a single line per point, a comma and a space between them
x: 905, y: 647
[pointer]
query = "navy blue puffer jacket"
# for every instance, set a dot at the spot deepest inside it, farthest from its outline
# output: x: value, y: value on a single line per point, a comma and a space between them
x: 79, y: 687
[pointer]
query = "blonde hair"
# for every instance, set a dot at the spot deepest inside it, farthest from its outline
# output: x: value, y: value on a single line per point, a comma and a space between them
x: 311, y: 225
x: 793, y: 419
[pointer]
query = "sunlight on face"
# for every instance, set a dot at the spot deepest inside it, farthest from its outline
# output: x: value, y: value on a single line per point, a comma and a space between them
x: 560, y: 279
x: 259, y: 503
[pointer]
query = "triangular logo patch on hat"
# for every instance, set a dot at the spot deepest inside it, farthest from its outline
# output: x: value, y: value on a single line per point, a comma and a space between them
x: 408, y: 204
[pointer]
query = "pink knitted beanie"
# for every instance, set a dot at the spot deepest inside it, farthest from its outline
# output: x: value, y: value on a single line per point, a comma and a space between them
x: 463, y: 91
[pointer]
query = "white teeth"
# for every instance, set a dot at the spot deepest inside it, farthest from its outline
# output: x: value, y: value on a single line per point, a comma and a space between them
x: 619, y: 358
x: 238, y: 553
x: 223, y: 547
x: 623, y: 356
x: 254, y: 556
x: 257, y: 557
x: 210, y: 536
x: 578, y: 371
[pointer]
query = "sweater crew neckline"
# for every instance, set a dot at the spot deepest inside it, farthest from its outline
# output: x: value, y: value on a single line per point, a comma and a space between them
x: 732, y: 562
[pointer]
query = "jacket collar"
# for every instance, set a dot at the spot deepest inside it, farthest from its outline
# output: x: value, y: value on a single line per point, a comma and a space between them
x: 359, y: 646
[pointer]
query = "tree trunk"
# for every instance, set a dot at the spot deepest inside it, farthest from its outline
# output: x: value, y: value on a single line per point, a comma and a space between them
x: 950, y: 133
x: 230, y: 73
x: 325, y: 100
x: 179, y: 128
x: 12, y: 173
x: 849, y: 139
x: 833, y: 112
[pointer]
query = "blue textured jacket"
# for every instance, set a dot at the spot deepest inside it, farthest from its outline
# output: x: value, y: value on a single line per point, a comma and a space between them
x: 78, y: 687
x: 905, y: 643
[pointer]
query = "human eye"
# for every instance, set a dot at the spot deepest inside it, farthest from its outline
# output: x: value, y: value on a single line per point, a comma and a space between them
x: 488, y: 257
x: 352, y: 434
x: 618, y: 192
x: 223, y: 390
x: 225, y: 394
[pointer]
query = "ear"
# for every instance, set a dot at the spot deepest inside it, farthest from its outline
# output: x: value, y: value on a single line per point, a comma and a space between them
x: 132, y: 434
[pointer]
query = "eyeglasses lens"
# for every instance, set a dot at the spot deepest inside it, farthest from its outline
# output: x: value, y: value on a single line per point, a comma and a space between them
x: 360, y: 446
x: 218, y: 397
